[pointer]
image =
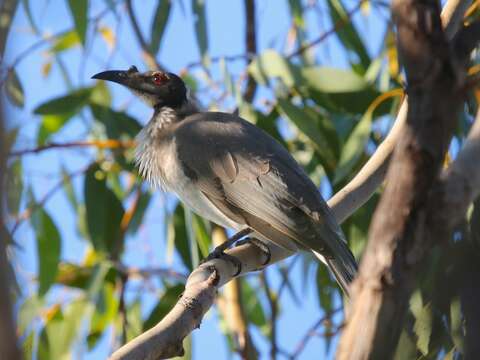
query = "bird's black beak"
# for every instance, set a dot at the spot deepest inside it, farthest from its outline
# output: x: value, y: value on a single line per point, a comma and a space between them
x: 118, y: 76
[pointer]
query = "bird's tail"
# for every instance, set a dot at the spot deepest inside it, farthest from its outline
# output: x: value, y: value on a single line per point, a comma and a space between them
x: 342, y: 264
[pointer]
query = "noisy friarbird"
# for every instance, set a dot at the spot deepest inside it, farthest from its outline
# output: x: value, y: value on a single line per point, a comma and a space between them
x: 232, y: 173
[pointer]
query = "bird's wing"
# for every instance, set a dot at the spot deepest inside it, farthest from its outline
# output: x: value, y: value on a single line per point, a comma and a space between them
x: 248, y: 176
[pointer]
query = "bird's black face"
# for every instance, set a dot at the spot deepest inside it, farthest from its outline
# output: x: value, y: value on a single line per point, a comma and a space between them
x: 156, y: 88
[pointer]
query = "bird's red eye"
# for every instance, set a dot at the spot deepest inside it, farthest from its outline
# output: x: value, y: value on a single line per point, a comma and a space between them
x: 160, y: 78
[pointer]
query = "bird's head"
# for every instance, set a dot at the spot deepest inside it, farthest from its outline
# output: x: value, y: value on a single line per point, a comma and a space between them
x: 156, y: 88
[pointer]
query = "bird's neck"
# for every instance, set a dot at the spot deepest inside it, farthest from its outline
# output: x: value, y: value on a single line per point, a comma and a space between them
x: 154, y: 134
x: 164, y: 116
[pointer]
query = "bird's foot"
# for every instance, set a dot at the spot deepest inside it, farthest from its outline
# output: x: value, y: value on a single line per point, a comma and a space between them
x: 220, y: 254
x: 260, y: 245
x: 219, y: 251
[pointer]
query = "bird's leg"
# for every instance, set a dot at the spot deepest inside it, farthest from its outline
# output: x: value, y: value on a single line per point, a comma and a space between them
x: 219, y: 251
x: 260, y: 245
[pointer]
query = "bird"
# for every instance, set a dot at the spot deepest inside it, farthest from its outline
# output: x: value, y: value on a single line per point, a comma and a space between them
x: 232, y: 173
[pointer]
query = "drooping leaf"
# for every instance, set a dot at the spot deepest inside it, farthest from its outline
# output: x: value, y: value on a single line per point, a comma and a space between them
x: 177, y: 235
x: 48, y: 249
x: 270, y: 64
x: 66, y: 41
x: 406, y: 348
x: 332, y: 80
x: 79, y: 9
x: 134, y: 320
x: 198, y: 7
x: 252, y: 305
x: 423, y: 321
x: 69, y: 190
x: 101, y: 94
x: 354, y: 147
x: 164, y: 305
x: 61, y: 330
x: 311, y: 128
x: 14, y: 89
x: 457, y: 324
x: 347, y: 33
x: 104, y: 213
x: 50, y: 125
x: 69, y: 103
x: 28, y: 346
x: 159, y: 24
x: 104, y: 314
x: 117, y: 124
x: 202, y: 237
x: 14, y: 186
x: 140, y: 210
x: 108, y: 35
x: 29, y: 310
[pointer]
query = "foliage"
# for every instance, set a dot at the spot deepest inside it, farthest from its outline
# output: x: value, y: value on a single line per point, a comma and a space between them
x: 330, y: 116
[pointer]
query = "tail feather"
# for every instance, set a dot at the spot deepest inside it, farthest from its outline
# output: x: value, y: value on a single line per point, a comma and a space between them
x: 341, y: 263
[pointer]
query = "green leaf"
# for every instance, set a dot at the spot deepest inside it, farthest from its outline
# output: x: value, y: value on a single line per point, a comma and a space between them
x: 106, y: 309
x: 48, y: 248
x: 104, y: 214
x: 347, y: 33
x: 164, y: 305
x: 66, y: 104
x: 134, y: 320
x: 101, y: 94
x: 159, y: 24
x: 270, y: 64
x: 354, y: 147
x: 252, y: 305
x: 456, y: 324
x: 198, y: 7
x: 423, y: 321
x: 69, y: 190
x: 60, y: 331
x: 79, y: 10
x: 29, y: 311
x: 310, y: 126
x: 202, y: 237
x: 14, y: 89
x: 117, y: 124
x: 406, y: 348
x: 332, y: 80
x: 28, y: 346
x: 137, y: 217
x: 50, y: 125
x: 177, y: 233
x: 14, y: 186
x: 66, y: 41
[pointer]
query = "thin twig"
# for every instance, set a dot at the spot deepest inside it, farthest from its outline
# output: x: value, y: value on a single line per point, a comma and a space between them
x: 27, y: 213
x: 100, y: 144
x: 312, y: 331
x: 150, y: 58
x: 337, y: 26
x: 251, y: 46
x: 273, y: 302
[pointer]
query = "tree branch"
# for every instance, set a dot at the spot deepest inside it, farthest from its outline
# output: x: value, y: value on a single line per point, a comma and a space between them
x: 251, y: 46
x: 150, y: 58
x: 100, y: 144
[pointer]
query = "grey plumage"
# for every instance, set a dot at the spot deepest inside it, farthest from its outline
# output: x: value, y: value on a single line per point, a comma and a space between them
x: 232, y: 173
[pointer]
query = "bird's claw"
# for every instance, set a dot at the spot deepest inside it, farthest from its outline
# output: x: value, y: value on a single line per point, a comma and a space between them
x: 260, y: 245
x: 219, y: 254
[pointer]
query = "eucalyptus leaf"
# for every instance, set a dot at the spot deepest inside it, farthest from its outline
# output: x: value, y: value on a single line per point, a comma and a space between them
x: 14, y: 89
x: 159, y: 24
x: 79, y: 10
x: 104, y: 214
x: 48, y: 248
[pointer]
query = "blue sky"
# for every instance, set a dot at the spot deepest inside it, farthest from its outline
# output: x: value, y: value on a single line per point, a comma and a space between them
x: 225, y: 31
